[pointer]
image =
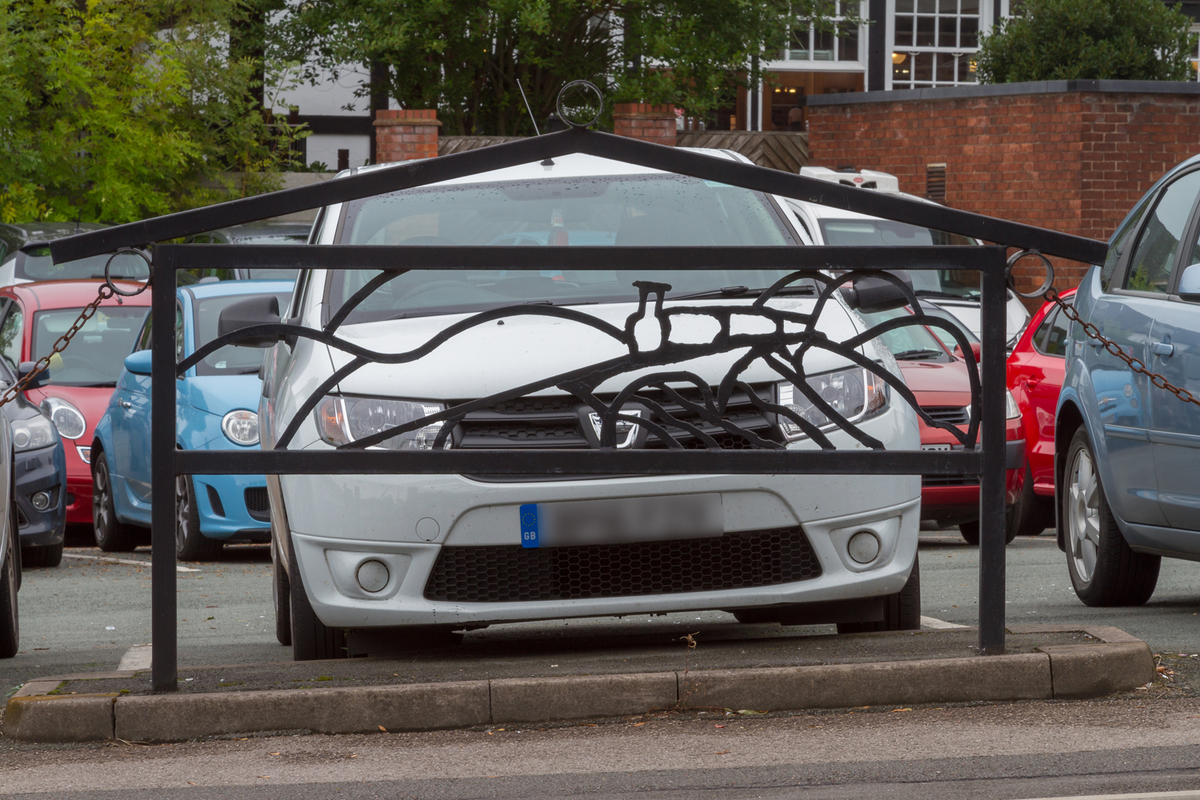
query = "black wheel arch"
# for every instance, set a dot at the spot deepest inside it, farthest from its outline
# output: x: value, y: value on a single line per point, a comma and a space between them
x: 1068, y: 420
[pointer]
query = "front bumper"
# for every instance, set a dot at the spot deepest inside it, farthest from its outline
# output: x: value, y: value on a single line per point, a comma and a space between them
x: 224, y: 503
x: 40, y: 471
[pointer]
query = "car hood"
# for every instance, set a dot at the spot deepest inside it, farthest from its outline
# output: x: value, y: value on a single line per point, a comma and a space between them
x: 501, y: 355
x: 936, y: 383
x: 220, y: 394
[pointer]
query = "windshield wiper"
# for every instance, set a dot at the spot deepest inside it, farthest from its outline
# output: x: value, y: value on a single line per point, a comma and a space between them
x: 917, y: 355
x: 745, y: 291
x: 932, y: 293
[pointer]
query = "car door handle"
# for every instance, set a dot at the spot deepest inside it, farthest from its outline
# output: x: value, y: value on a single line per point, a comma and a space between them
x: 1163, y: 348
x: 124, y: 404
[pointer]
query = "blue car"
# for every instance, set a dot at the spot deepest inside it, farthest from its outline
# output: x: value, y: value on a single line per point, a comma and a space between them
x: 1127, y: 450
x: 215, y: 402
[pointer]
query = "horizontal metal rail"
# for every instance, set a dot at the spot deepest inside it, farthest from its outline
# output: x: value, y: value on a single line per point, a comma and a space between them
x: 578, y: 462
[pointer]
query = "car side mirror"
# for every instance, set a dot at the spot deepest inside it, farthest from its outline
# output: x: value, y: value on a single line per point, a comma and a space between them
x: 25, y: 368
x: 1189, y: 284
x: 261, y: 310
x: 138, y: 363
x: 976, y: 350
x: 870, y: 294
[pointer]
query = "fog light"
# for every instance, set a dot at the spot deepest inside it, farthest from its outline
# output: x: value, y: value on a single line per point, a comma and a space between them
x: 40, y: 500
x: 863, y: 547
x: 372, y: 576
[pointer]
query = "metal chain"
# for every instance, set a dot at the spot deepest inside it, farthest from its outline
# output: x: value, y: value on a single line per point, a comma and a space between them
x: 1134, y: 363
x: 106, y: 290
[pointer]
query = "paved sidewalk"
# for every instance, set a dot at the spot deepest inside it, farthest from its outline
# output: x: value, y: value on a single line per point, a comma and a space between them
x: 486, y: 684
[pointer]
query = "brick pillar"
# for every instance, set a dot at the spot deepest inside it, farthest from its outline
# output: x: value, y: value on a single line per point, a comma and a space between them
x: 650, y: 123
x: 405, y: 134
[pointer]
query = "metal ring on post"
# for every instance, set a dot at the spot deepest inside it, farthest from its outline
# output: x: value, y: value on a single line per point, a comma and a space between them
x: 586, y: 86
x: 121, y: 251
x: 1047, y: 284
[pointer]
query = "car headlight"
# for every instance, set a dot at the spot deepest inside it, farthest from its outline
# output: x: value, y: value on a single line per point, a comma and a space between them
x: 241, y: 427
x: 32, y: 433
x: 341, y: 420
x: 1011, y: 409
x: 855, y: 393
x: 66, y: 417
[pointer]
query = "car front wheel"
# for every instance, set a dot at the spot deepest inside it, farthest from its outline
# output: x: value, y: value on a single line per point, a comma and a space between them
x: 190, y: 543
x: 312, y: 639
x: 10, y: 582
x: 1103, y: 569
x: 112, y: 535
x: 901, y: 611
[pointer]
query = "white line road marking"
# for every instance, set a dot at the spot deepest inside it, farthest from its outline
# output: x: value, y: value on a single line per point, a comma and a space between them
x: 108, y: 560
x: 136, y: 657
x: 939, y: 625
x: 1184, y: 795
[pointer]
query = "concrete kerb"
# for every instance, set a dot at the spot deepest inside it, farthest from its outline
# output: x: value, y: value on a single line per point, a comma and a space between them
x: 1117, y: 662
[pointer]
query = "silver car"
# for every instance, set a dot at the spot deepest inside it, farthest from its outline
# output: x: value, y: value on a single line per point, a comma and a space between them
x: 398, y: 554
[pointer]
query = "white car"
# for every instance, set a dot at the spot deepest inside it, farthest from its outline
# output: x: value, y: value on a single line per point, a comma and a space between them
x: 388, y: 554
x: 957, y: 291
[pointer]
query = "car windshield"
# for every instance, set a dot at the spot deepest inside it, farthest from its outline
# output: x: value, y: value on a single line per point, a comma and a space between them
x: 885, y: 233
x: 227, y: 360
x: 267, y: 273
x: 97, y: 353
x: 910, y: 342
x: 622, y: 210
x: 37, y: 265
x: 947, y: 338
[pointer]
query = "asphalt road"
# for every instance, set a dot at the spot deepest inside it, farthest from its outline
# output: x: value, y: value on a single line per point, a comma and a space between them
x: 90, y: 613
x: 93, y: 611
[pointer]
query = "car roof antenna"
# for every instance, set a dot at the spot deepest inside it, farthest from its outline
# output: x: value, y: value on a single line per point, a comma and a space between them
x: 533, y: 119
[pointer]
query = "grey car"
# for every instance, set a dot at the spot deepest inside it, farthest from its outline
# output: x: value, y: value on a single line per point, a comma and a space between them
x: 1127, y: 452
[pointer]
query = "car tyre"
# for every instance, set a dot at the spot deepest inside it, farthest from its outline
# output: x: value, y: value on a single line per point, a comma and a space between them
x: 281, y: 593
x: 970, y: 530
x: 312, y: 640
x: 901, y: 611
x: 44, y: 556
x: 190, y: 543
x: 1103, y: 568
x: 112, y: 535
x: 1032, y: 514
x: 10, y: 583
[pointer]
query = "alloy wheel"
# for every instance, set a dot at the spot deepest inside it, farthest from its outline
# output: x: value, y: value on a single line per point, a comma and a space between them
x: 1083, y: 515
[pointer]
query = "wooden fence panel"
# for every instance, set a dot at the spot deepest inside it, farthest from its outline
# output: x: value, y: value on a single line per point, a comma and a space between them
x: 457, y: 144
x: 783, y: 150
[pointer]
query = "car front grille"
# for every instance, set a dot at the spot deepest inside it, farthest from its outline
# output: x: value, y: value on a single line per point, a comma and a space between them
x: 511, y: 573
x: 950, y: 415
x: 557, y: 422
x: 257, y: 503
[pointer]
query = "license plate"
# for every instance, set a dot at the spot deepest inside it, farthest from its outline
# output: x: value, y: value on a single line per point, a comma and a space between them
x: 633, y: 519
x: 937, y: 447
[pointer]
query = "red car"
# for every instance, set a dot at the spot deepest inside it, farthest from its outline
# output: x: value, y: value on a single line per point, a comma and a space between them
x: 1035, y: 376
x: 940, y: 381
x: 81, y: 378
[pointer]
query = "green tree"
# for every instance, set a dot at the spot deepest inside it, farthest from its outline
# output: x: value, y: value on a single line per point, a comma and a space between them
x: 1089, y: 39
x: 465, y: 57
x: 115, y: 109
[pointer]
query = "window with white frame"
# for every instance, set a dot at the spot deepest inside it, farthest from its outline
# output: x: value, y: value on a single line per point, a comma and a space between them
x: 935, y: 43
x: 1195, y: 57
x: 839, y: 43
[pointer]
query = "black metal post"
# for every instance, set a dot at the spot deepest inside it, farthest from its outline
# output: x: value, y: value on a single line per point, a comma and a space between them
x: 991, y: 481
x: 163, y: 665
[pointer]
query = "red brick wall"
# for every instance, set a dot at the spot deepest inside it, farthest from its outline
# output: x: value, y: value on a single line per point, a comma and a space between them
x: 1073, y: 161
x: 651, y: 123
x: 404, y: 134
